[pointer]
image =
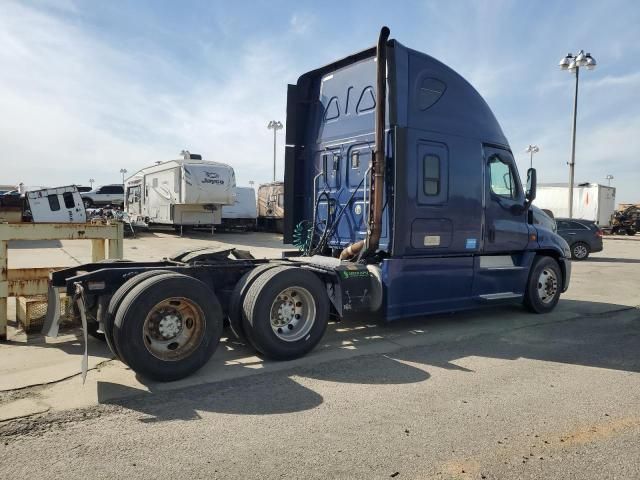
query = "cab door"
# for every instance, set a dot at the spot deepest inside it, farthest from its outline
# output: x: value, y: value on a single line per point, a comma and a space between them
x: 505, y: 228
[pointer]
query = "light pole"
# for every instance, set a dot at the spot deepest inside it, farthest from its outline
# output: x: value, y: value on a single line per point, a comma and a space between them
x: 91, y: 181
x: 609, y: 178
x: 531, y: 149
x: 123, y: 171
x: 274, y: 125
x: 572, y: 64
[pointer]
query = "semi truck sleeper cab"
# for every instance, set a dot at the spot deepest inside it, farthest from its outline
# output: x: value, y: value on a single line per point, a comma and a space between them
x: 403, y: 198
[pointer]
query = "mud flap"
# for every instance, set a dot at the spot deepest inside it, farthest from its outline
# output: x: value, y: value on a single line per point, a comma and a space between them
x: 79, y: 300
x: 52, y: 319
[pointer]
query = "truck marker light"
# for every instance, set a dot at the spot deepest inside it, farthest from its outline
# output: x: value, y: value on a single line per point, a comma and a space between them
x: 533, y: 237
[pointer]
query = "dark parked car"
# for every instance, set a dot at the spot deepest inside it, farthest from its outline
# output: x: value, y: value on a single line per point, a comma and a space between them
x: 583, y: 236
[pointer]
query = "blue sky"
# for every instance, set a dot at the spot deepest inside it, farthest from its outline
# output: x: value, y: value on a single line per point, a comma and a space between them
x: 87, y: 88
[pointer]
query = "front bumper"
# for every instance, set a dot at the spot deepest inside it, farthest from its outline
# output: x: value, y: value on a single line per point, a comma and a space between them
x: 565, y: 266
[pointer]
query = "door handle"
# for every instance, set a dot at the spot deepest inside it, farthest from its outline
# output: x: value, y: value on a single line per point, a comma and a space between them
x: 570, y: 233
x: 492, y: 234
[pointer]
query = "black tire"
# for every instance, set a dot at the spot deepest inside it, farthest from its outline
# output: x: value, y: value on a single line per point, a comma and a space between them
x: 580, y: 251
x: 631, y: 232
x: 257, y: 310
x: 115, y: 301
x: 532, y: 298
x: 237, y: 298
x: 129, y: 333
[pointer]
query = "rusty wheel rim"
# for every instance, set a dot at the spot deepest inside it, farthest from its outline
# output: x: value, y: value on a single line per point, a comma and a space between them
x: 173, y: 329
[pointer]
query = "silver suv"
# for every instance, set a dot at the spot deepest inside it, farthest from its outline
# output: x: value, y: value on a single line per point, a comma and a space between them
x: 104, y: 195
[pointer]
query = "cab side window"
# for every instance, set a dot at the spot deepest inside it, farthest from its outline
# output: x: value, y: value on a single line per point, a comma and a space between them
x: 503, y: 181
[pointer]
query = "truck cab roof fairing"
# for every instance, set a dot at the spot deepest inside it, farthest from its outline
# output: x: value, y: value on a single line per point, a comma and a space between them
x: 423, y: 94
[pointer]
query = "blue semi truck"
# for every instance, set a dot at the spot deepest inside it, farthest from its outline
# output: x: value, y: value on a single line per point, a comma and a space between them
x: 403, y: 198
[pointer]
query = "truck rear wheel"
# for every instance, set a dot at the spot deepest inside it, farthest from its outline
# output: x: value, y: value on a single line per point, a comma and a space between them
x: 544, y: 285
x: 168, y: 326
x: 237, y: 298
x: 287, y: 311
x: 109, y: 314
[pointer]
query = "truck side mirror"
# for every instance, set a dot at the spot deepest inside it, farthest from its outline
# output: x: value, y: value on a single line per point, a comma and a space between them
x: 530, y: 194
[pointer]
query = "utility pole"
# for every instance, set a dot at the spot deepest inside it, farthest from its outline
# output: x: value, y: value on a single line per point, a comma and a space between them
x: 573, y: 63
x: 274, y: 125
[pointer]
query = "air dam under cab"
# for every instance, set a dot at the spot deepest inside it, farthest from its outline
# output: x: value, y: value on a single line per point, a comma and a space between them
x: 403, y: 198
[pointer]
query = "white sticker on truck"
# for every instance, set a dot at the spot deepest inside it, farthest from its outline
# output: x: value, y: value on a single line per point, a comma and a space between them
x: 431, y: 240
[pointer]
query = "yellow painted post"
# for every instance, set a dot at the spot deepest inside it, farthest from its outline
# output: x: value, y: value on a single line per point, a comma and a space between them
x: 116, y: 246
x: 97, y: 250
x: 4, y: 289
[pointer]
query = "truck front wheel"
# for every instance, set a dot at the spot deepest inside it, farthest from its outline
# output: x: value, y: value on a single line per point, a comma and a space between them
x: 168, y: 326
x: 544, y: 285
x: 287, y: 311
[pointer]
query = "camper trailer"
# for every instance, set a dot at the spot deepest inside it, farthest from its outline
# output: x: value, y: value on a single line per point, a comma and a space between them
x: 242, y: 215
x: 58, y: 205
x: 184, y: 192
x: 271, y: 207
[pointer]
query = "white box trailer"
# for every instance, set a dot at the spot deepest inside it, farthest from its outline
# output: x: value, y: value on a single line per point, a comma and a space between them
x: 184, y: 192
x: 591, y: 201
x: 243, y: 214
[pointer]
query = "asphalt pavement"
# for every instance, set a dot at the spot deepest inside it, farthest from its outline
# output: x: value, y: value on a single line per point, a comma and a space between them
x: 496, y: 393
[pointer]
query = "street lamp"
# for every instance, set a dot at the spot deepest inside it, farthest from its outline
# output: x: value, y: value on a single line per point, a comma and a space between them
x: 123, y: 171
x: 91, y: 181
x: 572, y: 64
x: 274, y: 125
x: 609, y: 178
x: 531, y: 149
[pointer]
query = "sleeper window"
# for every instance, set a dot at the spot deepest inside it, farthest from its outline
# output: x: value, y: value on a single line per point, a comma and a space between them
x: 431, y: 175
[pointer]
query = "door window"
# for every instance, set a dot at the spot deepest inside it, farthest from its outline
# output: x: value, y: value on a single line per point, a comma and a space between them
x: 133, y: 194
x: 502, y: 178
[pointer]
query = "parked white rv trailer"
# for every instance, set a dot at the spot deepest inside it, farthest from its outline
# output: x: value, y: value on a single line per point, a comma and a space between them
x: 59, y: 205
x: 271, y: 206
x: 243, y: 214
x: 591, y: 201
x: 184, y: 192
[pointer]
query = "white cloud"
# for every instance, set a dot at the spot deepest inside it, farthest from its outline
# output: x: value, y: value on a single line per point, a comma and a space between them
x: 75, y: 107
x: 300, y: 23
